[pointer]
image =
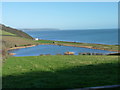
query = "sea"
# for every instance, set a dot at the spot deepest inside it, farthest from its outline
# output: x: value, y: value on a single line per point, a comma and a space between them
x: 98, y: 36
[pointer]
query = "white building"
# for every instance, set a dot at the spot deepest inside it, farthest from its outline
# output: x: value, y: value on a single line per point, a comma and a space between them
x: 36, y: 39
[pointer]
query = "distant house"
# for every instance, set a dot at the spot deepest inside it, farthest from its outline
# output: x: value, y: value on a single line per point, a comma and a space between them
x: 36, y: 39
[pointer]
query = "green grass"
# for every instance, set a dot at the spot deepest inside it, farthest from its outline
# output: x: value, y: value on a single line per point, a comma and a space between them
x: 11, y: 41
x: 6, y: 33
x: 45, y: 41
x: 60, y: 71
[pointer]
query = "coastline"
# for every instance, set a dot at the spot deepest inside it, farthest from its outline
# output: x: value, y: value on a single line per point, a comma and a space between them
x: 90, y: 47
x: 19, y: 47
x: 114, y: 48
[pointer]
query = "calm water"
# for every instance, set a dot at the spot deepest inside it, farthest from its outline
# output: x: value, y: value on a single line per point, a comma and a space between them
x: 53, y: 50
x: 86, y: 36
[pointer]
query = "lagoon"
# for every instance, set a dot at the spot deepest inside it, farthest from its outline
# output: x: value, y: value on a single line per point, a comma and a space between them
x: 53, y: 50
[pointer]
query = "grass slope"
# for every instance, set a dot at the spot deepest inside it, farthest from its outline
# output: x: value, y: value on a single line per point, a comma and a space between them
x: 19, y: 41
x: 60, y: 71
x: 5, y: 33
x: 13, y: 38
x: 15, y: 31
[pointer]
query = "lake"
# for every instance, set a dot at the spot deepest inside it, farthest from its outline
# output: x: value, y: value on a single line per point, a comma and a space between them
x: 101, y: 36
x: 53, y: 50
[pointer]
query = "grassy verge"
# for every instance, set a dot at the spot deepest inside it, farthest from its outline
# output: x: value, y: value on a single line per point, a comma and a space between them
x: 60, y: 71
x: 86, y: 45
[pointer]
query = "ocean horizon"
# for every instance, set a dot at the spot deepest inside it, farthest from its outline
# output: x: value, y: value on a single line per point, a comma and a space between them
x: 97, y: 36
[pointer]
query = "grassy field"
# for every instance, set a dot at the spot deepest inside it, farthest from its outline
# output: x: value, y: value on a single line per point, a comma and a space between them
x: 60, y: 71
x: 19, y: 41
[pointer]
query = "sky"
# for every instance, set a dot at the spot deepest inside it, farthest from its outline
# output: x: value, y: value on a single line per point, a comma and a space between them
x: 60, y: 15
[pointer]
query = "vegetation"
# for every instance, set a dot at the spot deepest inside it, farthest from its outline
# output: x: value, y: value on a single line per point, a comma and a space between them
x: 13, y: 38
x: 6, y: 33
x: 60, y: 71
x: 17, y: 41
x: 15, y: 31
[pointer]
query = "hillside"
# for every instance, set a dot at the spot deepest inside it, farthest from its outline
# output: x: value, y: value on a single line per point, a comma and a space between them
x: 14, y: 38
x: 16, y: 32
x: 3, y: 33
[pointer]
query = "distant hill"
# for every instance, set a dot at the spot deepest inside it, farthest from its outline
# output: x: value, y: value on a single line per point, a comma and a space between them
x: 16, y: 32
x: 40, y: 29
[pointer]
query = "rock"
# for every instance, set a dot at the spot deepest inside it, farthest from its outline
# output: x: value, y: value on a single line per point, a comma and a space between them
x: 82, y: 53
x: 93, y: 53
x: 42, y: 55
x: 85, y: 53
x: 99, y: 54
x: 88, y: 53
x: 69, y: 53
x: 11, y: 53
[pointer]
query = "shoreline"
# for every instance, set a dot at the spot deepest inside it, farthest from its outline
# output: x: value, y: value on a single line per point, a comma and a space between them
x: 19, y: 47
x: 90, y: 47
x: 75, y: 42
x: 83, y: 46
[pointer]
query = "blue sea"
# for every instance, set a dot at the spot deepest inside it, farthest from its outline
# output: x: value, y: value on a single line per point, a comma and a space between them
x: 100, y: 36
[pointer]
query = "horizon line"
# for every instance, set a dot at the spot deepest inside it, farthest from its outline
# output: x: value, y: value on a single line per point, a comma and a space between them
x: 63, y: 29
x: 60, y: 0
